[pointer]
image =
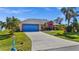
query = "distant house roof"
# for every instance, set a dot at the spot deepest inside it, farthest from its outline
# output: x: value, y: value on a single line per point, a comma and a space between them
x: 53, y: 23
x: 35, y: 20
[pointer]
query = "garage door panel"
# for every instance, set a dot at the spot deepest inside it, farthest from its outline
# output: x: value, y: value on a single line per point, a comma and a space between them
x: 30, y: 27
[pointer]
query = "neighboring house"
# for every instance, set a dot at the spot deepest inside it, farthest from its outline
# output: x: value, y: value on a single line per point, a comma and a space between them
x: 52, y: 25
x: 31, y: 25
x: 55, y: 26
x: 3, y: 28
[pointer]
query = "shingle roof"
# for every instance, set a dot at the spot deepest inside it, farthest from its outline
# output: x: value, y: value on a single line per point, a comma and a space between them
x: 35, y: 21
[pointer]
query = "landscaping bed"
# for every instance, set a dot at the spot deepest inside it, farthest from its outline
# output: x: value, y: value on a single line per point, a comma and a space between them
x: 23, y: 43
x: 61, y: 34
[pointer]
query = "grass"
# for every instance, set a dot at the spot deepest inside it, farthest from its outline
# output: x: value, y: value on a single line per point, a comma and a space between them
x: 23, y: 43
x: 55, y: 32
x: 61, y: 34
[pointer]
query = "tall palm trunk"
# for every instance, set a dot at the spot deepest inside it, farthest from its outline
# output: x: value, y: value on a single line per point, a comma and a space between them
x: 68, y: 27
x: 68, y: 22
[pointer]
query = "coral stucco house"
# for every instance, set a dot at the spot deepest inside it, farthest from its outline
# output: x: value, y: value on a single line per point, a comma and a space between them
x: 52, y: 25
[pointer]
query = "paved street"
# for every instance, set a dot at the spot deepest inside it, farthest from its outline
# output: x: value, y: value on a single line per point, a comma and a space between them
x: 45, y: 42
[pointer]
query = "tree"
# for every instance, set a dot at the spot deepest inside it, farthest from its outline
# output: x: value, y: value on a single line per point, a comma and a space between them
x: 12, y: 24
x: 58, y: 20
x: 2, y: 24
x: 75, y: 24
x: 16, y: 23
x: 69, y: 13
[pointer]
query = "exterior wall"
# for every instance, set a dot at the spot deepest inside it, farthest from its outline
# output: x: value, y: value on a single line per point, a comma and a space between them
x: 39, y: 27
x: 20, y: 25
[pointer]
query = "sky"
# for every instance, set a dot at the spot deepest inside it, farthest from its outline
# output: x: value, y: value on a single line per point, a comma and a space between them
x: 23, y: 13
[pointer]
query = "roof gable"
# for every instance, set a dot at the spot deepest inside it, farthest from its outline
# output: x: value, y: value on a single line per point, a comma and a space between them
x: 35, y: 21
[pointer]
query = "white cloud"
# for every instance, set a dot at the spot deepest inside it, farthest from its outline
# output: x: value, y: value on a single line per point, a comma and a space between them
x: 21, y: 18
x: 48, y: 9
x: 13, y: 11
x: 59, y: 8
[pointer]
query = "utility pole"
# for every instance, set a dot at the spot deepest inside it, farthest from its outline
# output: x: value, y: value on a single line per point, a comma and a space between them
x: 13, y: 43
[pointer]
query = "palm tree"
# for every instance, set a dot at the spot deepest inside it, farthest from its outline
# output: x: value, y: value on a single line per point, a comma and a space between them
x: 75, y: 24
x: 16, y: 22
x: 2, y: 24
x: 69, y: 13
x: 12, y: 24
x: 58, y: 20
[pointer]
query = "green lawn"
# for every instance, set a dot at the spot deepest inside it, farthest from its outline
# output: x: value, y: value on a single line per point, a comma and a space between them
x: 61, y: 34
x: 23, y: 43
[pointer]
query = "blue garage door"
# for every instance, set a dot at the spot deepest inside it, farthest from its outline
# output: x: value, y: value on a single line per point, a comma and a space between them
x: 30, y: 27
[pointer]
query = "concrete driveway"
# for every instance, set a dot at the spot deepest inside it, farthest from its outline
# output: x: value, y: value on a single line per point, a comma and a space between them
x: 45, y: 42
